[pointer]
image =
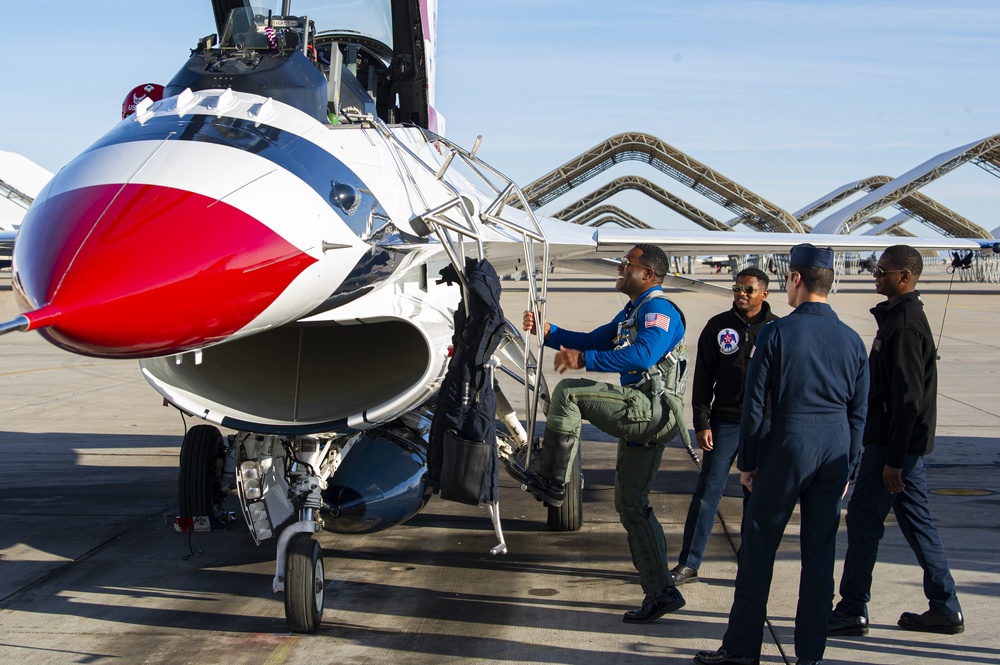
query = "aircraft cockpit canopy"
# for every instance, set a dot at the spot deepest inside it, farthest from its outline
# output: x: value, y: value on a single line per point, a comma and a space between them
x: 332, y: 59
x: 368, y: 19
x: 246, y: 28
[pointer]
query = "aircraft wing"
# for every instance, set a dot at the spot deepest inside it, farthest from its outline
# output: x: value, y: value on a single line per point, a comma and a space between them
x: 692, y: 243
x: 609, y: 268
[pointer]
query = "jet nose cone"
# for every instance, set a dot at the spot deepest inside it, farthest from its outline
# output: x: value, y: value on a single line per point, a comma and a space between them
x: 144, y: 270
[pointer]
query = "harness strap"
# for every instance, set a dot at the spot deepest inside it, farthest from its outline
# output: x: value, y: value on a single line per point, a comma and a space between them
x: 655, y: 403
x: 654, y: 376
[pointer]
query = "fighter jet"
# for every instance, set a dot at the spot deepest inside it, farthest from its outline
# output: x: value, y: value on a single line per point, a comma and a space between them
x: 266, y: 240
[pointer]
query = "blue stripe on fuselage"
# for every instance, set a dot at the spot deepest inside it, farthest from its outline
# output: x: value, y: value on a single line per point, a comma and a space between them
x: 310, y: 163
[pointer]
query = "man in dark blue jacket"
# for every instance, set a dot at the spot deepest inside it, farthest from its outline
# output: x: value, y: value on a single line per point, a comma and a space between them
x: 716, y: 399
x: 814, y: 369
x: 902, y: 413
x: 638, y: 339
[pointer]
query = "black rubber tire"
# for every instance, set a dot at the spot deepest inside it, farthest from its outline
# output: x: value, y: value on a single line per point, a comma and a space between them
x: 200, y: 488
x: 569, y: 516
x: 304, y: 584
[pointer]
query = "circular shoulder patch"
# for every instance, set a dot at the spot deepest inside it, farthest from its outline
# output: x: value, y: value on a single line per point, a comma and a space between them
x: 729, y: 341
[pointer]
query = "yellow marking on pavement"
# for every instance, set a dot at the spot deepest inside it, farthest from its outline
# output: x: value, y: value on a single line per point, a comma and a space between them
x: 962, y: 491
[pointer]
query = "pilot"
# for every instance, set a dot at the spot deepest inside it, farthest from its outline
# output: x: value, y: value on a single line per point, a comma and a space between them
x: 636, y: 340
x: 814, y: 369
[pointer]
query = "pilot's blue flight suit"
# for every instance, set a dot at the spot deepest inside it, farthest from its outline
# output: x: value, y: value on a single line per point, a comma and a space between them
x: 815, y: 369
x: 624, y: 411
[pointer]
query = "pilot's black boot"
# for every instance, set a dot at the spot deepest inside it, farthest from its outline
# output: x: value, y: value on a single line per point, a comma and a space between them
x: 546, y: 477
x: 553, y: 461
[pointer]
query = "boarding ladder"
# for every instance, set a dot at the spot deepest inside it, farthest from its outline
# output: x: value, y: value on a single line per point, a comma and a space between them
x: 452, y: 237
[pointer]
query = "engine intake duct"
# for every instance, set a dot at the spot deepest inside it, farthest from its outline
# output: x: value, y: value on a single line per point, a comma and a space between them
x: 296, y: 374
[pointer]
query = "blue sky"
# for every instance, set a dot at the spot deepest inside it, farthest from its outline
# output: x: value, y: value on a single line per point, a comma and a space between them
x: 790, y: 99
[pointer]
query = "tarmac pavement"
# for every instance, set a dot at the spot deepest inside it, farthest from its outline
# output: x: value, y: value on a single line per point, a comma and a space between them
x: 92, y: 571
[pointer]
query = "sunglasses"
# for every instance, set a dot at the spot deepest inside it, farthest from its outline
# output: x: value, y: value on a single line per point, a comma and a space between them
x: 745, y: 289
x: 880, y: 272
x: 625, y: 263
x: 788, y: 275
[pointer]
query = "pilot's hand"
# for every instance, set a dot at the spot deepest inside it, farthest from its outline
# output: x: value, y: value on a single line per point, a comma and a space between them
x: 893, y: 479
x: 704, y: 438
x: 569, y: 359
x: 747, y: 478
x: 529, y: 323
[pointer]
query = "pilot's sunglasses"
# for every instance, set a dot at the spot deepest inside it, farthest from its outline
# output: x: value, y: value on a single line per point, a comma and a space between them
x: 879, y: 271
x: 745, y: 289
x: 625, y: 263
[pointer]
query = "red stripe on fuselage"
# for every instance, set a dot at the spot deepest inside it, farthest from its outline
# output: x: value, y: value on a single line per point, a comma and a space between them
x: 145, y: 270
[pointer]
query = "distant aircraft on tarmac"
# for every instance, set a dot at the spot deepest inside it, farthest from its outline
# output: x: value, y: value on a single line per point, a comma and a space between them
x: 265, y: 240
x: 717, y: 262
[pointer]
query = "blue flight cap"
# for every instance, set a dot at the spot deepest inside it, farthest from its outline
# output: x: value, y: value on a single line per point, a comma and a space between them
x: 810, y: 255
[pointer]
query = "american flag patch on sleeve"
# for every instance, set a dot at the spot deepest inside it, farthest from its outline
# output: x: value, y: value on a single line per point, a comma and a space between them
x: 657, y: 320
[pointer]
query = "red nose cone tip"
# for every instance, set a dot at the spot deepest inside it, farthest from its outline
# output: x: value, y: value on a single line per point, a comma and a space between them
x: 42, y: 317
x: 142, y: 270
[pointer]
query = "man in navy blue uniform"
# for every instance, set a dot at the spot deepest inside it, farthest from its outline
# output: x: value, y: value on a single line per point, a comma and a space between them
x: 716, y: 400
x: 814, y: 368
x: 638, y: 341
x: 902, y: 413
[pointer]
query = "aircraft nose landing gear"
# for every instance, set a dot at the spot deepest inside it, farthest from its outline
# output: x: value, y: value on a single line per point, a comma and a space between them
x: 304, y: 590
x: 299, y: 573
x: 299, y: 568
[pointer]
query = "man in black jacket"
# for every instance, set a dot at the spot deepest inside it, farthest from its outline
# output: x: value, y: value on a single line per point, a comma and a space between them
x: 902, y: 412
x: 717, y: 398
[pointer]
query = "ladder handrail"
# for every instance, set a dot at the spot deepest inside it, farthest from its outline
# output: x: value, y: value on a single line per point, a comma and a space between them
x: 537, y: 297
x: 440, y: 225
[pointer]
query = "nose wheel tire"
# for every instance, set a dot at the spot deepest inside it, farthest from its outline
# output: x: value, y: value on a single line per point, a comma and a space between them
x: 304, y: 584
x: 200, y: 490
x: 569, y: 516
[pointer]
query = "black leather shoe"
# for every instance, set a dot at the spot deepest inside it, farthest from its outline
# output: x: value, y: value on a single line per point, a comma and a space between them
x: 653, y: 607
x: 949, y: 624
x: 844, y: 624
x: 683, y: 574
x: 723, y: 657
x: 543, y: 490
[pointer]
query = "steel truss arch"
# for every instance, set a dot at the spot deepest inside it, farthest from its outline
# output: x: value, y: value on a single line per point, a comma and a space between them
x: 902, y: 193
x: 880, y: 226
x: 752, y: 209
x: 615, y: 219
x: 650, y: 189
x: 914, y: 205
x: 839, y: 194
x: 625, y: 219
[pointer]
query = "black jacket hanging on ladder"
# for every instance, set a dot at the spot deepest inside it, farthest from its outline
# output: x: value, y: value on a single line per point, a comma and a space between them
x: 462, y: 459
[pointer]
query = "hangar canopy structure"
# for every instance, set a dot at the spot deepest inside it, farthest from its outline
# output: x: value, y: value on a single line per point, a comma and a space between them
x: 751, y: 209
x: 754, y: 210
x: 902, y: 193
x: 571, y: 212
